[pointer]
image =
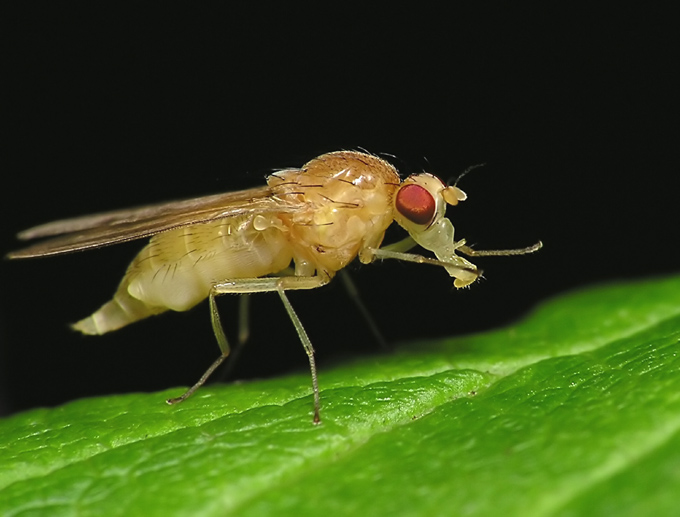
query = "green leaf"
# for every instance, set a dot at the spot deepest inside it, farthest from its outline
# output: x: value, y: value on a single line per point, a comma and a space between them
x: 574, y: 411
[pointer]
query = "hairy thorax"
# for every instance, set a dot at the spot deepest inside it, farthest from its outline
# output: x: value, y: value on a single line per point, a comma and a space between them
x: 348, y: 199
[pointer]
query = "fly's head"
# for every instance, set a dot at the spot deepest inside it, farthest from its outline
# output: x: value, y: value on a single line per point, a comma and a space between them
x: 419, y: 206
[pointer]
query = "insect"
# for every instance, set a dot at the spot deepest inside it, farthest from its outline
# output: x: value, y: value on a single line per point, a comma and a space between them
x: 294, y: 233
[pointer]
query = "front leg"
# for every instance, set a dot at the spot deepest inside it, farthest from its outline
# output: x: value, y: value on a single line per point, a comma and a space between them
x: 471, y: 252
x: 464, y: 272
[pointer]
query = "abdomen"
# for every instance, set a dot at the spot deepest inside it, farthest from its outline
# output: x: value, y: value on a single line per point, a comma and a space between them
x: 177, y: 269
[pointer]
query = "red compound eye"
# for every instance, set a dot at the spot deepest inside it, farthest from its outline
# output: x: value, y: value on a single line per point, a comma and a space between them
x: 416, y: 204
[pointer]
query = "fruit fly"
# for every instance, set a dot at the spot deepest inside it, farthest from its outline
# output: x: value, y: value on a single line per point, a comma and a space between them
x: 294, y: 233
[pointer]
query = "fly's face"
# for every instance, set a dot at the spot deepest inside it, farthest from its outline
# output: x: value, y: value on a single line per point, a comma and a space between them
x: 421, y: 201
x: 420, y: 208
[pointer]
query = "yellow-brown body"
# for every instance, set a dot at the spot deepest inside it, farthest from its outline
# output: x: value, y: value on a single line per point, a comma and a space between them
x: 343, y: 204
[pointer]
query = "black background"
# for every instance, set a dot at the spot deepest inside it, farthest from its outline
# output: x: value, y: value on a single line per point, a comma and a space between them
x: 575, y: 114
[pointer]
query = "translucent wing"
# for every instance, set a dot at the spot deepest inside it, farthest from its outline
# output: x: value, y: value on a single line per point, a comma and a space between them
x: 97, y: 230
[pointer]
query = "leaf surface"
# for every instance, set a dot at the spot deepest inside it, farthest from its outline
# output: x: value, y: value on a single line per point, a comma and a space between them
x: 574, y: 410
